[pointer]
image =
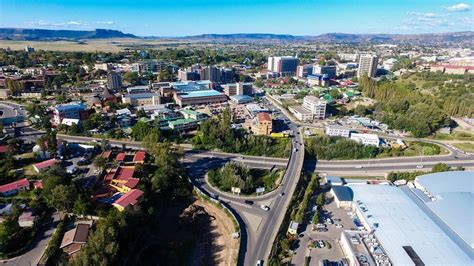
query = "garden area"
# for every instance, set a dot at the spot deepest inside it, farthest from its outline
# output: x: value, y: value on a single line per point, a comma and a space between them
x: 247, y: 179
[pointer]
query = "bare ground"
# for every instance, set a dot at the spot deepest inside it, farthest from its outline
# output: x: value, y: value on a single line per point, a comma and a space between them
x: 223, y: 248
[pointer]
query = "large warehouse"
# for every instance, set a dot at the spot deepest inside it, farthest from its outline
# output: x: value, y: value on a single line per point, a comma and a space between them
x: 407, y: 230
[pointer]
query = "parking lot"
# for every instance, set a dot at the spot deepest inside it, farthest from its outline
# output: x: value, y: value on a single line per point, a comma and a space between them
x: 307, y: 243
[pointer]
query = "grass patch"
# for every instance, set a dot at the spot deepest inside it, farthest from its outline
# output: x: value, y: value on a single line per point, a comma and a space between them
x: 453, y: 136
x: 414, y: 148
x: 465, y: 146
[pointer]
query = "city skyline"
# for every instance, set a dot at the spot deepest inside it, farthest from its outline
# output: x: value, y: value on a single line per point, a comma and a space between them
x: 183, y: 18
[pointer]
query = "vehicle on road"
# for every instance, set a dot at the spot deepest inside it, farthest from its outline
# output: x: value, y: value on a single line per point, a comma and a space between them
x: 260, y: 263
x: 419, y: 166
x: 214, y: 196
x: 264, y: 207
x: 338, y: 225
x: 248, y: 202
x: 281, y: 194
x: 359, y: 167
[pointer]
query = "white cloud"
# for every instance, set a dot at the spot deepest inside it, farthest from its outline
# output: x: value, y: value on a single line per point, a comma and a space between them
x: 105, y: 23
x: 63, y: 24
x: 458, y: 7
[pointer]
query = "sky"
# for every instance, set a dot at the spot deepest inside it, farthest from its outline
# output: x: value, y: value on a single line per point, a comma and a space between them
x: 193, y: 17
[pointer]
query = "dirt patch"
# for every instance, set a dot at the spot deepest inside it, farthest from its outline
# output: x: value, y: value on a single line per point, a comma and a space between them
x: 223, y: 248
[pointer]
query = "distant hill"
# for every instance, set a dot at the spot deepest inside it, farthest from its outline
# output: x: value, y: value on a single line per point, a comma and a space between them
x: 455, y: 38
x: 428, y: 38
x: 42, y: 34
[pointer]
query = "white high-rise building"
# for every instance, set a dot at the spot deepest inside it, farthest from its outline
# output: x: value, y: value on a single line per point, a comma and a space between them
x: 316, y: 106
x: 367, y: 65
x: 284, y: 65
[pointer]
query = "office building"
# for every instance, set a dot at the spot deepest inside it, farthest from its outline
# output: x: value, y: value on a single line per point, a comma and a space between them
x: 74, y: 110
x: 301, y: 113
x: 366, y: 139
x: 284, y: 65
x: 186, y: 75
x: 304, y: 71
x: 199, y: 97
x: 211, y: 73
x: 338, y: 131
x: 349, y: 57
x: 144, y: 98
x: 227, y: 75
x: 238, y: 89
x: 316, y: 106
x: 138, y: 89
x: 152, y: 66
x: 367, y: 65
x: 114, y: 81
x: 330, y: 71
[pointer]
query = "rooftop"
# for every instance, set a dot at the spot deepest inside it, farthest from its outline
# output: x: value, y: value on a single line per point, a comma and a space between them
x: 129, y: 198
x: 181, y: 121
x: 200, y: 93
x: 14, y: 185
x: 453, y: 194
x: 343, y: 193
x: 70, y: 106
x: 77, y: 235
x: 141, y: 95
x: 264, y: 117
x: 398, y: 222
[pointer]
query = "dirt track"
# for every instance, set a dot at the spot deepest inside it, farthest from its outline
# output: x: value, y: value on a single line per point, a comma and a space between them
x: 224, y: 248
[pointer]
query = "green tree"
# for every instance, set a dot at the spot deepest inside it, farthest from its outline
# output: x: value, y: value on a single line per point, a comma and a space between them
x: 440, y: 167
x: 320, y: 200
x: 61, y: 198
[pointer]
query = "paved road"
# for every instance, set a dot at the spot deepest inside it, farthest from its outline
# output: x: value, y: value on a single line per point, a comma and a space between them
x: 33, y: 256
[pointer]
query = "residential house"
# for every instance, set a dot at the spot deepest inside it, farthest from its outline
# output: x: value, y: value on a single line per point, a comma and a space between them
x: 14, y: 187
x: 74, y: 239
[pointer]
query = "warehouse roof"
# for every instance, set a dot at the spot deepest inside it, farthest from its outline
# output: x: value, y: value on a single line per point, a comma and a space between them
x: 343, y: 193
x: 400, y: 224
x: 453, y: 194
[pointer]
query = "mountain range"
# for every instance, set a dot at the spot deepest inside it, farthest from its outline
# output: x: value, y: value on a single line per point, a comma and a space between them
x: 466, y: 37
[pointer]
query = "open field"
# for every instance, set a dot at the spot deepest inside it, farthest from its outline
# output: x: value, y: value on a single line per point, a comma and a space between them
x: 454, y: 136
x: 103, y: 45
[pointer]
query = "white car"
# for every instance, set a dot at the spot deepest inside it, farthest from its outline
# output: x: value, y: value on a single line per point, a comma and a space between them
x: 359, y: 167
x: 265, y: 207
x: 338, y: 225
x: 419, y: 166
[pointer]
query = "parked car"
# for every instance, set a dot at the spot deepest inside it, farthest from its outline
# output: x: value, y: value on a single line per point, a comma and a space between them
x: 265, y: 207
x: 248, y: 202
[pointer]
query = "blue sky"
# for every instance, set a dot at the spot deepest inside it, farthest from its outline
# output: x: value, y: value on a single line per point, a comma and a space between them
x: 191, y: 17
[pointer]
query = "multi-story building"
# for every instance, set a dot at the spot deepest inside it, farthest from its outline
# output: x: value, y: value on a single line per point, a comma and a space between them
x: 144, y: 98
x: 187, y: 75
x: 284, y: 65
x: 114, y: 81
x: 301, y: 113
x: 366, y: 139
x: 338, y: 131
x: 262, y: 124
x: 368, y: 65
x: 330, y: 71
x: 211, y: 73
x: 227, y: 75
x: 349, y: 57
x: 238, y: 89
x: 152, y: 66
x: 315, y: 105
x: 75, y: 110
x: 304, y: 70
x: 138, y: 89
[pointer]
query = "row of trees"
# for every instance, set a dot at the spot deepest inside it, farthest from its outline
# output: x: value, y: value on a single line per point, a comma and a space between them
x: 439, y: 167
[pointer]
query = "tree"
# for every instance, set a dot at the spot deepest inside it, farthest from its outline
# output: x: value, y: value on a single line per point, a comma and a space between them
x: 320, y: 200
x: 316, y: 217
x: 61, y: 198
x: 100, y: 162
x: 440, y: 167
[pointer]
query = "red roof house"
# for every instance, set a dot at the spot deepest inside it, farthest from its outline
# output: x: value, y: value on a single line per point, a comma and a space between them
x: 128, y: 200
x: 14, y: 187
x: 39, y: 167
x: 4, y: 148
x: 139, y: 157
x: 120, y: 157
